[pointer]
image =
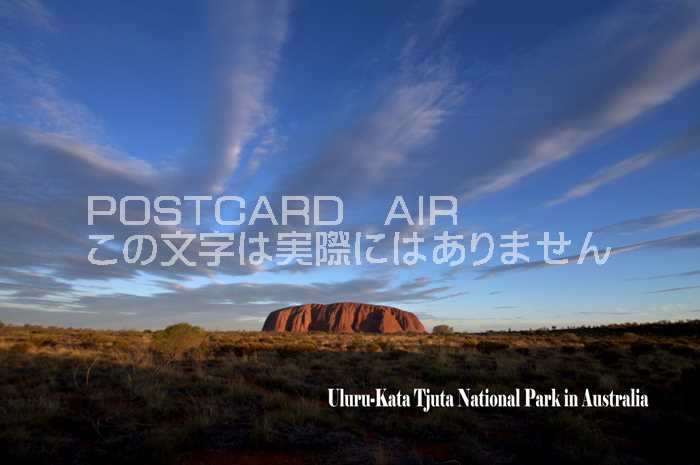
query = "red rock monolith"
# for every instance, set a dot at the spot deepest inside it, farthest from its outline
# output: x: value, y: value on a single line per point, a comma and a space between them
x: 343, y: 317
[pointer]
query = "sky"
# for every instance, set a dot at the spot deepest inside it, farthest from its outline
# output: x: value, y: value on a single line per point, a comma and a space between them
x: 538, y: 117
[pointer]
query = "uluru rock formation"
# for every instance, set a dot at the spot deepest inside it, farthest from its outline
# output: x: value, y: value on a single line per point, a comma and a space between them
x: 343, y: 317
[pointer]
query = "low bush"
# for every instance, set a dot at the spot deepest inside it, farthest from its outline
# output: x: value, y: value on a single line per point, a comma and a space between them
x: 177, y: 341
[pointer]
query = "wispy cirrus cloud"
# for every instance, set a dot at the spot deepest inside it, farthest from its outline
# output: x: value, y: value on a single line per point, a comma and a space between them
x: 68, y: 156
x: 32, y: 93
x: 662, y: 220
x: 681, y: 241
x: 630, y: 78
x: 605, y: 176
x: 687, y: 142
x: 56, y: 147
x: 252, y: 35
x: 29, y: 284
x: 681, y: 274
x: 32, y: 90
x: 412, y: 106
x: 48, y: 227
x: 405, y: 120
x: 674, y: 289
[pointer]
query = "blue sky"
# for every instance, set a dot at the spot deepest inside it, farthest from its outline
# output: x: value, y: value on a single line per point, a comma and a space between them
x: 538, y: 116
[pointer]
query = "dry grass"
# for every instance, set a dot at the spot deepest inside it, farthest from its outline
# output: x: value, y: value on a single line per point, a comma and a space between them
x: 84, y: 396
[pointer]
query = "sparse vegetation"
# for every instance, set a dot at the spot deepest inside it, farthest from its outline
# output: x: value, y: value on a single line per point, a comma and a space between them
x: 187, y: 396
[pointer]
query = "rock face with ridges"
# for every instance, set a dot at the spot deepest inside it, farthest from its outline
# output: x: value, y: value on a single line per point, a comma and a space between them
x: 343, y: 317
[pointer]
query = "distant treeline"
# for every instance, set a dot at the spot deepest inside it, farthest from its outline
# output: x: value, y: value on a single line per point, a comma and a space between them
x: 663, y: 327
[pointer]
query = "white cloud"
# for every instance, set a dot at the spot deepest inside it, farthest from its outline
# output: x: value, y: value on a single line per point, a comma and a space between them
x: 662, y: 220
x: 32, y: 94
x: 689, y: 240
x: 252, y: 34
x: 413, y: 105
x: 408, y: 118
x: 604, y: 176
x: 664, y: 64
x: 687, y: 142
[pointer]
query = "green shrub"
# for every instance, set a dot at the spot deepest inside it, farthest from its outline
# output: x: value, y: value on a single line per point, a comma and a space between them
x: 176, y: 341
